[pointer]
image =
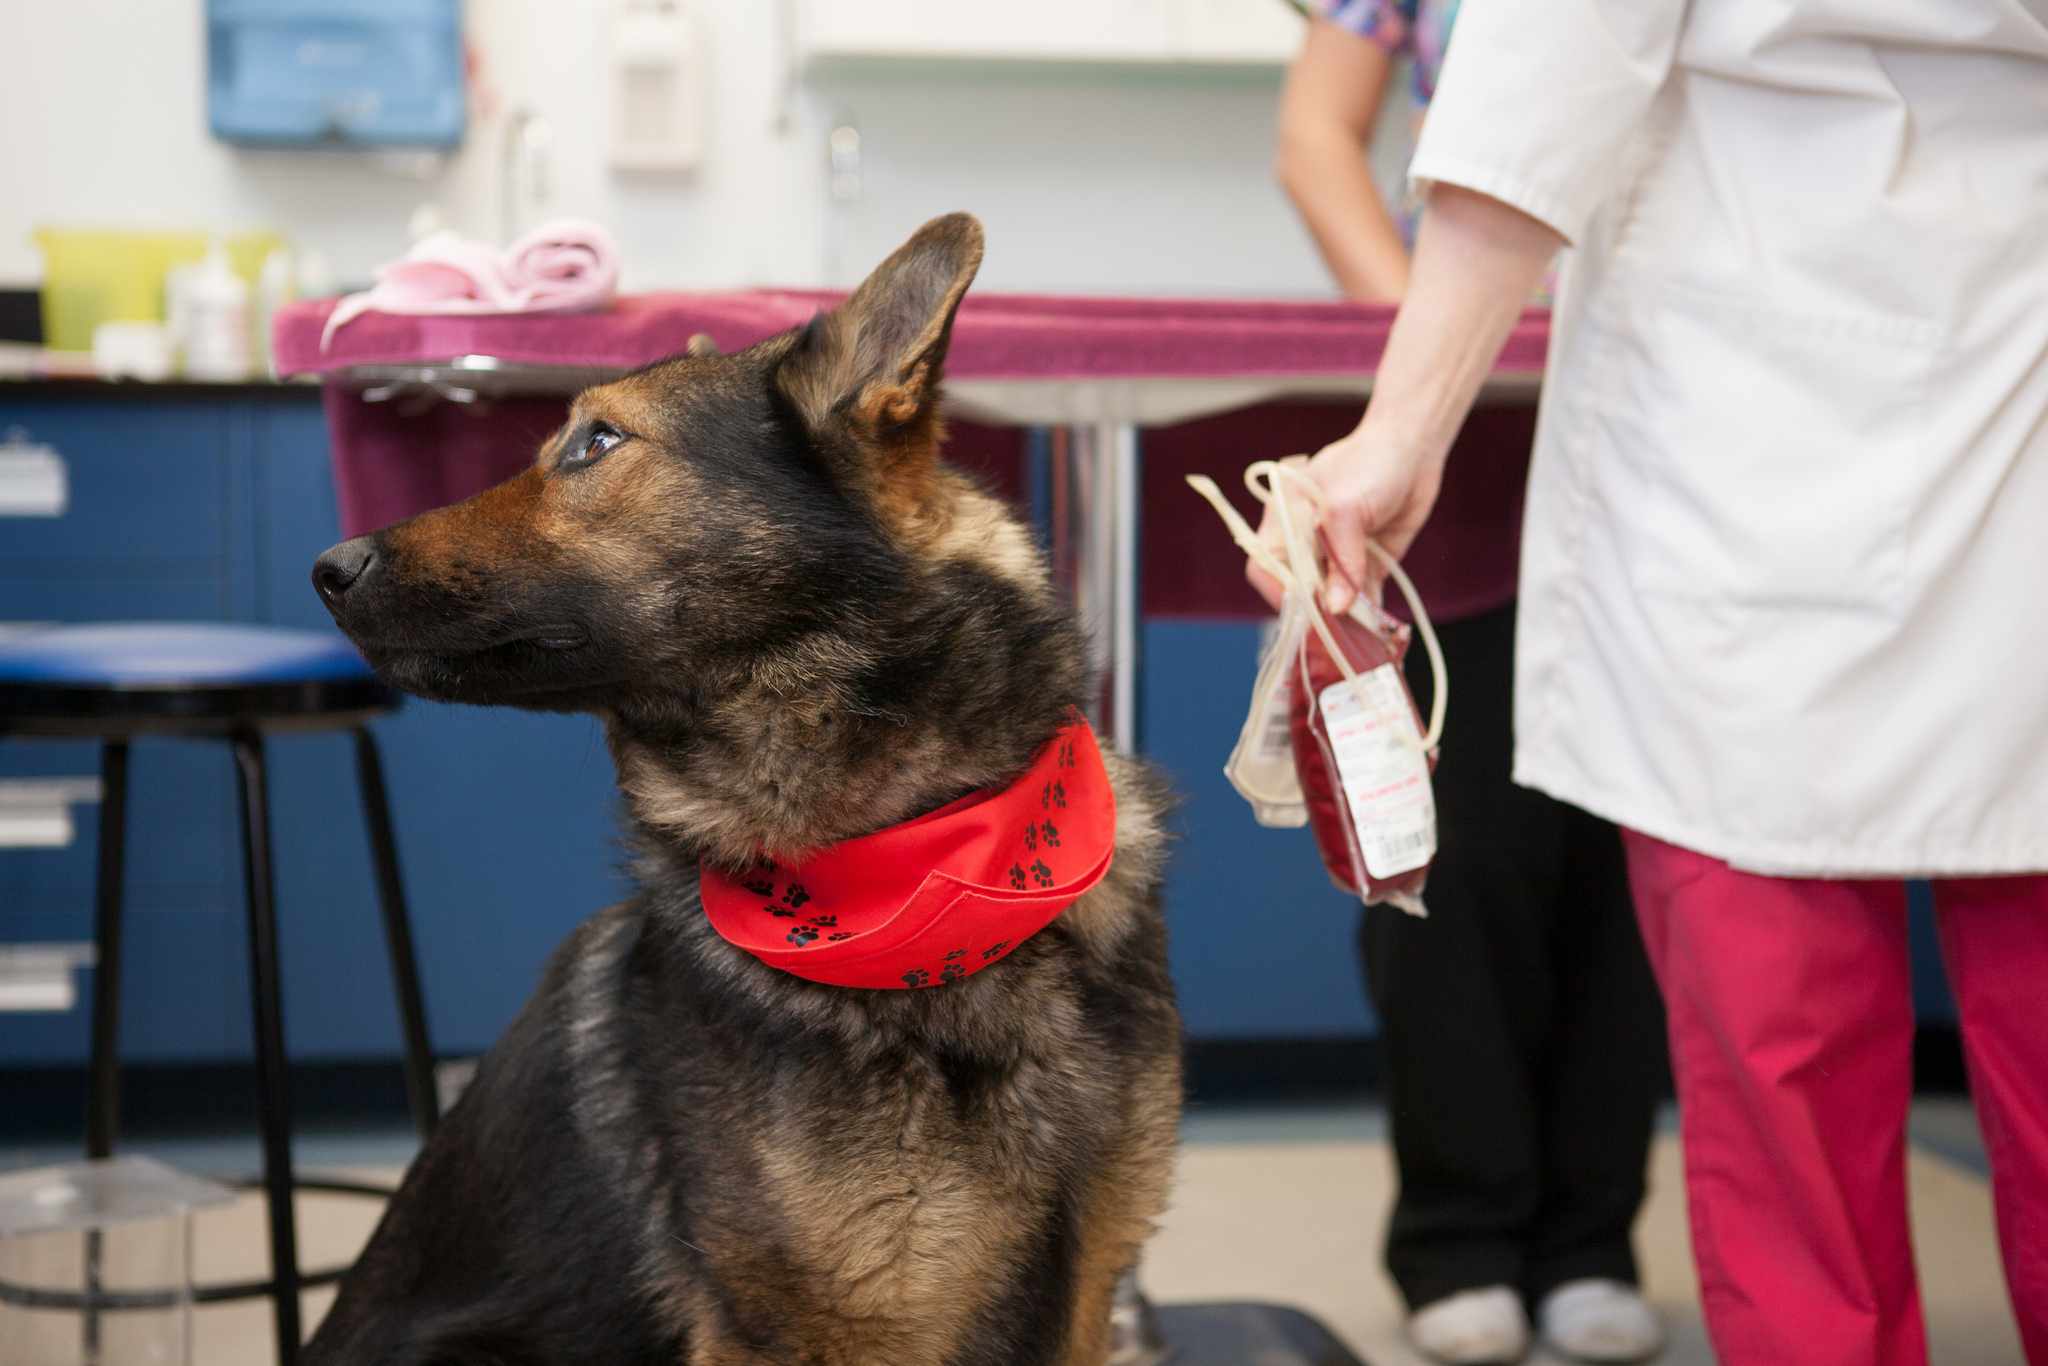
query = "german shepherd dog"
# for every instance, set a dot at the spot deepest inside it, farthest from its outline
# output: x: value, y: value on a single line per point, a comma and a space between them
x: 797, y: 627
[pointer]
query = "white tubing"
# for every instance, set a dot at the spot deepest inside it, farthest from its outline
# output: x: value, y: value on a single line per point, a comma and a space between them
x: 1300, y: 573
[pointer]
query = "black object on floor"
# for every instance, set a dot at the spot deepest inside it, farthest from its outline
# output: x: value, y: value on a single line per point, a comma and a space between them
x: 1248, y: 1335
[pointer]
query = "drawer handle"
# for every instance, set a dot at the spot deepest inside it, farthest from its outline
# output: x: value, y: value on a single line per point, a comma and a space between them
x: 34, y: 480
x: 42, y: 977
x: 35, y: 813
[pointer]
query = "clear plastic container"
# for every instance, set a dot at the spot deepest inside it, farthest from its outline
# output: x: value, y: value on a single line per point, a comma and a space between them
x: 96, y: 1263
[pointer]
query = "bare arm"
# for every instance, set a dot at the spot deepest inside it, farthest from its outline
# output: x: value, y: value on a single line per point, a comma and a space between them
x: 1526, y: 136
x: 1476, y: 260
x: 1327, y: 111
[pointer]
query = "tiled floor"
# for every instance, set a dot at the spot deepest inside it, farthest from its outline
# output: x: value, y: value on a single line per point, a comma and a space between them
x: 1286, y: 1206
x: 1292, y: 1208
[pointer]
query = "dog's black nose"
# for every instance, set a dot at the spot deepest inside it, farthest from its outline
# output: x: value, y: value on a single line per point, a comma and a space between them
x: 342, y: 566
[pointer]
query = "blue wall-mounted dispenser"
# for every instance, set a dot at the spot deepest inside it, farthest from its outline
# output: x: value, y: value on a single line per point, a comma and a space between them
x: 362, y: 73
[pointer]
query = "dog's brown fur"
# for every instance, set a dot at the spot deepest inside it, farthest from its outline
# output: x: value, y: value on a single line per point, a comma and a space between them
x: 798, y: 627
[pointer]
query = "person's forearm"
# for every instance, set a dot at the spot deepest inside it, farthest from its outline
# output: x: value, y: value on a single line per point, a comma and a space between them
x: 1331, y: 185
x: 1476, y: 262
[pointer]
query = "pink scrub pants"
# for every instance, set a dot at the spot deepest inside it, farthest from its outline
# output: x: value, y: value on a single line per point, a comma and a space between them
x: 1791, y: 1023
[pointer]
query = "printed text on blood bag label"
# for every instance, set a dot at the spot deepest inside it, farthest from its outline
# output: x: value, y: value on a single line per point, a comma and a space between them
x: 1385, y: 773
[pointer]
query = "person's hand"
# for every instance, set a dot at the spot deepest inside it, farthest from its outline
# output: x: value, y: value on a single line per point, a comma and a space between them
x: 1369, y: 487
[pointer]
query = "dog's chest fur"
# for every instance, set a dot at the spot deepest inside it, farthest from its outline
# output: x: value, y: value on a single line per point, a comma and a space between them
x: 907, y: 1216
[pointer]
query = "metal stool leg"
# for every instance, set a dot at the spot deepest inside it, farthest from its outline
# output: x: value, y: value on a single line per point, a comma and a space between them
x: 1134, y: 1335
x: 103, y: 1103
x: 103, y: 1106
x: 272, y: 1092
x: 405, y: 972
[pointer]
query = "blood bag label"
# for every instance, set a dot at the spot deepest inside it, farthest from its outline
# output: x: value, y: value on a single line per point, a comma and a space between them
x: 1384, y: 770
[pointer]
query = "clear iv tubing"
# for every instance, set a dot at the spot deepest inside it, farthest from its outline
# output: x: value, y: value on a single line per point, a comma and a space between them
x: 1299, y: 573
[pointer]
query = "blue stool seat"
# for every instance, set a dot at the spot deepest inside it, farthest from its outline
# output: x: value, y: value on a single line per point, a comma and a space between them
x: 175, y: 655
x: 178, y: 675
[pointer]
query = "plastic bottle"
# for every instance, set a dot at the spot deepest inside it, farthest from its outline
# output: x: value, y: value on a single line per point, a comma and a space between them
x: 213, y: 317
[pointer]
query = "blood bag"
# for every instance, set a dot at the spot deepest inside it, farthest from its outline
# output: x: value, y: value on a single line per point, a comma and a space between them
x: 1360, y: 753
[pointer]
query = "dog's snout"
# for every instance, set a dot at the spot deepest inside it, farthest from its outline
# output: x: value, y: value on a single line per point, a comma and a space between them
x: 335, y: 572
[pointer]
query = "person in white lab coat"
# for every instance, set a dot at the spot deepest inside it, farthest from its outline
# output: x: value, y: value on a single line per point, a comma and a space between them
x: 1520, y: 1034
x: 1782, y: 572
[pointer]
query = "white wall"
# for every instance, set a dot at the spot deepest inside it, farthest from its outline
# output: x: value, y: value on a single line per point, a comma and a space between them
x: 1097, y: 181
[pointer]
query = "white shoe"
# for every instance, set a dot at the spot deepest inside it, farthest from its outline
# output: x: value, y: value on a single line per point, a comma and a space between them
x: 1598, y: 1320
x: 1472, y: 1327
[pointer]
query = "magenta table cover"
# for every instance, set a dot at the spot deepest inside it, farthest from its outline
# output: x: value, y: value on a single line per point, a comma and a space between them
x: 997, y: 336
x: 392, y: 460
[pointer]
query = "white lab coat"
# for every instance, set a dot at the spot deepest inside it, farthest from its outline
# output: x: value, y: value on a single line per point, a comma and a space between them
x: 1785, y: 577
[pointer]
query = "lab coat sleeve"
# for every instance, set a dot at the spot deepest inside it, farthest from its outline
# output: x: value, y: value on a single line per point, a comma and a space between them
x: 1538, y: 100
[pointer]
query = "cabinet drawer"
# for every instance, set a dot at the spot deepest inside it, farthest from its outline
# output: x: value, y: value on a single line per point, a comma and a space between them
x: 181, y: 831
x: 148, y: 483
x: 181, y: 995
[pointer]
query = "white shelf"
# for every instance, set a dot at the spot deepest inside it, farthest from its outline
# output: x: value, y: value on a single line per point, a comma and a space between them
x: 1193, y: 34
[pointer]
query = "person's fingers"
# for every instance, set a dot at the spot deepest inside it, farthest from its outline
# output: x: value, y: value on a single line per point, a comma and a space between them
x: 1344, y: 532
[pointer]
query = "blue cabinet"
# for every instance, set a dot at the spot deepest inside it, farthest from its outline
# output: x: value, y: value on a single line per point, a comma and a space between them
x: 1263, y: 945
x: 209, y: 507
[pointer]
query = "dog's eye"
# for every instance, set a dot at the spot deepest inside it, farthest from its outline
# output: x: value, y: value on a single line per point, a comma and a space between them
x: 599, y: 440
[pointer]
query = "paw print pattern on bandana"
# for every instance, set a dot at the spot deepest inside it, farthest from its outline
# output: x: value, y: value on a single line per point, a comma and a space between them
x: 810, y: 930
x: 794, y: 917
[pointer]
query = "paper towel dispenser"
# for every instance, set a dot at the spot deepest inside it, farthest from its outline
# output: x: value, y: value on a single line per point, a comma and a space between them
x: 365, y: 73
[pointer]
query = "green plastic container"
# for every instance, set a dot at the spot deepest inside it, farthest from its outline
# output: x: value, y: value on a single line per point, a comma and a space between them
x: 93, y: 276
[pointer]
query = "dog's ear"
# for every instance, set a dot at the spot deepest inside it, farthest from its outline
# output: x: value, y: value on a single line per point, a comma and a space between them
x: 872, y: 364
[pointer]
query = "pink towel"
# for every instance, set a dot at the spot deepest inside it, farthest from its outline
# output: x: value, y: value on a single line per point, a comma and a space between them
x: 556, y: 268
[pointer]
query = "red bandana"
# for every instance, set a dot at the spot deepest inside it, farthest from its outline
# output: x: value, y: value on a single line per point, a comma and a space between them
x: 928, y: 902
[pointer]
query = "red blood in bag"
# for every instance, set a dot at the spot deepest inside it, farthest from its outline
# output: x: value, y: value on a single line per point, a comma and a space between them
x: 1329, y: 812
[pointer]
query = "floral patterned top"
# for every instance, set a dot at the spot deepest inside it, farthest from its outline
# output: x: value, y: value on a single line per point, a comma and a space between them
x: 1420, y: 29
